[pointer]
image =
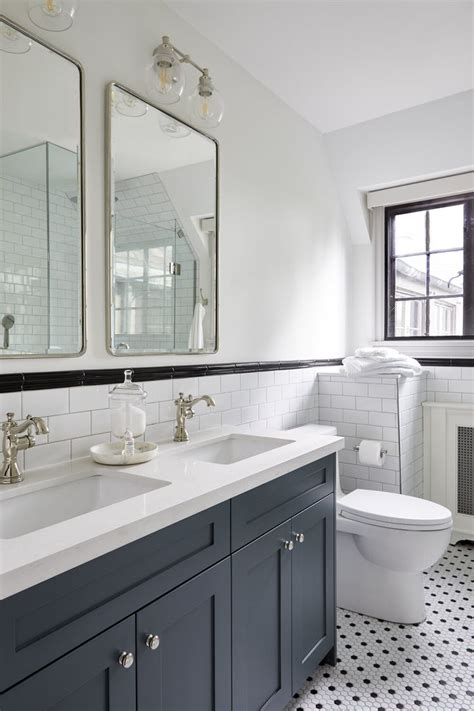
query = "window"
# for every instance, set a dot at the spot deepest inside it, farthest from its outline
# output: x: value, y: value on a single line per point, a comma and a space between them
x: 429, y: 272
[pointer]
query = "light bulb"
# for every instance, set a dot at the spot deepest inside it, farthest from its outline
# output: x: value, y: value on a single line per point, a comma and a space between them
x: 206, y: 103
x: 165, y: 76
x: 12, y: 41
x: 53, y: 15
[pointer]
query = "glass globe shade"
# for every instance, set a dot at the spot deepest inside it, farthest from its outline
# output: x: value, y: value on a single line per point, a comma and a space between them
x: 53, y: 15
x: 165, y: 76
x: 129, y: 106
x: 12, y: 41
x: 173, y: 128
x: 206, y: 110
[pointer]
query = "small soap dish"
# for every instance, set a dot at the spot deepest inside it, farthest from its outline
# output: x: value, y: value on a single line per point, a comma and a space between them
x: 112, y: 453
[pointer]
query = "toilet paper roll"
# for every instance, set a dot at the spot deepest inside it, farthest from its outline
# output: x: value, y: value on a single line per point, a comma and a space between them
x: 370, y: 453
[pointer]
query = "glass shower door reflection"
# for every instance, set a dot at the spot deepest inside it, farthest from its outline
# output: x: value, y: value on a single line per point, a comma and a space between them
x: 154, y: 287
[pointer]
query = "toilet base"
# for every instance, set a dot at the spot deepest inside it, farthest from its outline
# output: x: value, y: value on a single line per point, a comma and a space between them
x: 369, y: 589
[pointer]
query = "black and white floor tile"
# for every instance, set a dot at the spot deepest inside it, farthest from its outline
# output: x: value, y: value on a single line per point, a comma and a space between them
x: 385, y: 666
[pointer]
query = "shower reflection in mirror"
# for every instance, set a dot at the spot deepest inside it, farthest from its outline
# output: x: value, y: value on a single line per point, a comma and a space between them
x: 41, y: 248
x: 162, y: 231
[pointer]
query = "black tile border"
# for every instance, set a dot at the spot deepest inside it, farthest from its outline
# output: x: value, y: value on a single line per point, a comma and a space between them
x: 447, y: 362
x: 14, y: 382
x: 109, y: 376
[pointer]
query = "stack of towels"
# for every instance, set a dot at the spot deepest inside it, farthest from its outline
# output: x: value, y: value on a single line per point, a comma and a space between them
x: 380, y: 361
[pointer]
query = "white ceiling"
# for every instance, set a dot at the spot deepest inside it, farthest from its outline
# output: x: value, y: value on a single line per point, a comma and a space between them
x: 339, y: 63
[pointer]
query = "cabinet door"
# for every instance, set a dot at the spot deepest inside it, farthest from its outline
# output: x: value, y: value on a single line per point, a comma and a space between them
x: 90, y: 678
x: 313, y: 591
x: 261, y: 623
x: 190, y: 668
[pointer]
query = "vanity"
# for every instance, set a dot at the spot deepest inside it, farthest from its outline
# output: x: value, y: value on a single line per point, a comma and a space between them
x: 203, y: 579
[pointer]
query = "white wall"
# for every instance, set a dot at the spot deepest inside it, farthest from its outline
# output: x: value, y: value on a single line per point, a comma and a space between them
x: 427, y: 141
x: 282, y: 242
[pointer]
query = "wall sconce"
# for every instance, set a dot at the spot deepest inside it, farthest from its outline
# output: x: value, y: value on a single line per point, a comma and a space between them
x: 165, y: 83
x: 52, y: 15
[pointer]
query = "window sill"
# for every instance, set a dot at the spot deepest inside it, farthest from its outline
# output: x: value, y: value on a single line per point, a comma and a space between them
x: 432, y: 349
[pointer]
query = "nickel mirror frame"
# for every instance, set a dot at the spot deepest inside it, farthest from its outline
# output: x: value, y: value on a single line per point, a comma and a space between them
x: 110, y: 229
x: 82, y: 184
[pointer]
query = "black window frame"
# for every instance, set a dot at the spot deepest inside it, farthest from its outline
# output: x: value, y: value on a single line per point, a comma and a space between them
x: 389, y: 265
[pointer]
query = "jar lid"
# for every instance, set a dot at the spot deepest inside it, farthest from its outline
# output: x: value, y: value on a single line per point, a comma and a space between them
x: 127, y: 389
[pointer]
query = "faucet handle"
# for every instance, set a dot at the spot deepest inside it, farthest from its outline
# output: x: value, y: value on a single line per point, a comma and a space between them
x: 9, y: 422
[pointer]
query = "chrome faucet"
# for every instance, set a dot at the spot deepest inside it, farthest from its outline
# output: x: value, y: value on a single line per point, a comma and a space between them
x: 184, y: 411
x: 13, y: 442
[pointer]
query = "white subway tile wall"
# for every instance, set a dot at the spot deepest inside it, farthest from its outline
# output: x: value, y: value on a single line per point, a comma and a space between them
x: 363, y: 408
x: 411, y: 393
x: 80, y: 417
x: 386, y: 409
x: 40, y: 252
x: 450, y: 385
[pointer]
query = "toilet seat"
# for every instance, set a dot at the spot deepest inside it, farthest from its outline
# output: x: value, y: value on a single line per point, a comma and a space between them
x: 387, y: 510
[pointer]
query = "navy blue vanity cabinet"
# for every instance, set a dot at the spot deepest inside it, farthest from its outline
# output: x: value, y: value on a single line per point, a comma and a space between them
x: 41, y: 623
x: 91, y: 678
x: 227, y: 610
x: 261, y: 622
x: 312, y: 588
x: 184, y: 646
x: 283, y: 588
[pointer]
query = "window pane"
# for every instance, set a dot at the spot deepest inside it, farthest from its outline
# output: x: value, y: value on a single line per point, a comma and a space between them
x: 410, y: 233
x: 446, y: 227
x: 446, y: 317
x: 410, y: 276
x: 445, y: 277
x: 410, y: 318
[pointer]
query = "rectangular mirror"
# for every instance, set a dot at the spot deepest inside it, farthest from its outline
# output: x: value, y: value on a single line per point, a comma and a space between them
x: 41, y: 206
x: 162, y: 226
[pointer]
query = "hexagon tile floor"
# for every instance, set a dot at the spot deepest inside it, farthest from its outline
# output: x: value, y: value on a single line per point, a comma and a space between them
x: 384, y: 666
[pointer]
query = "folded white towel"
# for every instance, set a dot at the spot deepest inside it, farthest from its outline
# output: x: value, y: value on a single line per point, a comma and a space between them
x: 380, y: 361
x: 196, y: 333
x: 379, y: 353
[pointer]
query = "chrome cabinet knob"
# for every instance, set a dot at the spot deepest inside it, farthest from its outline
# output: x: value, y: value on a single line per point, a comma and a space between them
x: 299, y: 537
x: 288, y: 545
x: 152, y: 641
x: 126, y: 660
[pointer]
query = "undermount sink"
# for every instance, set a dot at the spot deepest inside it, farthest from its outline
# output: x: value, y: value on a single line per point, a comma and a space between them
x: 25, y: 513
x: 233, y: 448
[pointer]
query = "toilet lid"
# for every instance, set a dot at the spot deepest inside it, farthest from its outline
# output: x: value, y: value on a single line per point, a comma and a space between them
x: 381, y: 508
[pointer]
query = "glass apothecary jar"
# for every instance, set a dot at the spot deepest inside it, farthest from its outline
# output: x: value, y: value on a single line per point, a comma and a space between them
x: 127, y: 402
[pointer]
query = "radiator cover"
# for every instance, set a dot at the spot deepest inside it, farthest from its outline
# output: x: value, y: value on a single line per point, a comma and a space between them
x: 465, y: 471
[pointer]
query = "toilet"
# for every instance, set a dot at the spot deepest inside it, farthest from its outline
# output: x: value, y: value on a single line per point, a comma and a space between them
x: 384, y: 543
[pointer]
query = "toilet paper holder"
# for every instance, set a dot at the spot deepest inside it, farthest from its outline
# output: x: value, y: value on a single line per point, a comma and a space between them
x: 356, y: 449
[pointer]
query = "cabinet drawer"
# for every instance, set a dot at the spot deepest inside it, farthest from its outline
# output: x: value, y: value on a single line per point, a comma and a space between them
x: 42, y: 623
x: 89, y: 678
x: 259, y: 510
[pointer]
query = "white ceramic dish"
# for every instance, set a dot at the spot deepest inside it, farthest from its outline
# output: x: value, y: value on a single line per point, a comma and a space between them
x: 111, y: 453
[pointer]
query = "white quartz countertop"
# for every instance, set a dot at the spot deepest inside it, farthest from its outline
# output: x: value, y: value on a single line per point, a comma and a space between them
x: 193, y: 487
